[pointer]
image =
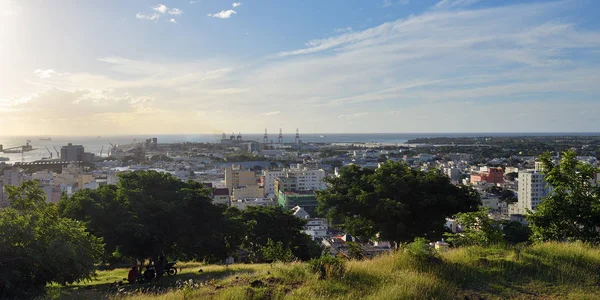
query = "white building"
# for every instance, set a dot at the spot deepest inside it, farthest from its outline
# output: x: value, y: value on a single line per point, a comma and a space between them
x: 316, y: 228
x: 531, y: 189
x: 453, y: 174
x: 299, y: 212
x: 305, y: 179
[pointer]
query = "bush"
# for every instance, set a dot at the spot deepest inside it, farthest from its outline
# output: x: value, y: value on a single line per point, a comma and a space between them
x: 420, y: 250
x: 328, y: 267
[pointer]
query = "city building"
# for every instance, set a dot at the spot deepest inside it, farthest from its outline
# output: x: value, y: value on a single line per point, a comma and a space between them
x: 245, y: 203
x: 221, y: 196
x: 299, y: 212
x: 307, y: 200
x: 235, y: 176
x: 72, y: 152
x: 300, y: 177
x: 492, y: 175
x: 453, y: 174
x: 247, y: 191
x: 531, y: 189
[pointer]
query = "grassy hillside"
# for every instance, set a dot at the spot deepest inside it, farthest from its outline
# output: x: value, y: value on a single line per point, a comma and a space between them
x: 548, y: 271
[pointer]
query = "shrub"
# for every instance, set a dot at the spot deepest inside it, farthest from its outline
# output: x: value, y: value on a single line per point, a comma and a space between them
x: 420, y: 250
x: 328, y: 267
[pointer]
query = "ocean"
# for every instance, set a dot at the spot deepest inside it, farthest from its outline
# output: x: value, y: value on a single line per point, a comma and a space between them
x: 95, y: 144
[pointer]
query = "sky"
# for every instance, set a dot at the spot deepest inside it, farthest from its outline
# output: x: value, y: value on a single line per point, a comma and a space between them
x: 90, y: 67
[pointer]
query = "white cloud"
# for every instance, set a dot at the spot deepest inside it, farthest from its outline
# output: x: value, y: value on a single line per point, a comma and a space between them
x: 161, y: 8
x: 173, y: 20
x: 506, y: 62
x: 342, y: 30
x: 271, y: 113
x: 193, y: 2
x: 236, y: 4
x: 404, y: 2
x: 454, y: 3
x: 47, y: 73
x: 386, y: 3
x: 224, y: 14
x: 152, y: 17
x: 175, y: 11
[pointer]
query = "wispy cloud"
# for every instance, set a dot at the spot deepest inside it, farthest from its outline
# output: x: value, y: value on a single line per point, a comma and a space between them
x: 193, y: 2
x: 236, y: 4
x: 152, y: 17
x: 386, y: 3
x: 404, y: 2
x: 47, y: 73
x: 271, y: 113
x: 175, y: 11
x: 224, y: 14
x: 424, y: 68
x: 159, y: 11
x: 342, y: 30
x: 173, y: 20
x: 455, y: 3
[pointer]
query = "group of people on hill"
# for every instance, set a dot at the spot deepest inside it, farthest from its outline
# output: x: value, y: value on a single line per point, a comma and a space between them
x: 135, y: 272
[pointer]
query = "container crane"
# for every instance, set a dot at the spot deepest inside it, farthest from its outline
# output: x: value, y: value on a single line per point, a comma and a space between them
x: 49, y: 152
x: 57, y: 153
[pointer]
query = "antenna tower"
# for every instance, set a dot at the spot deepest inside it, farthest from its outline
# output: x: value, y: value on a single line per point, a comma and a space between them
x: 297, y: 136
x: 266, y: 138
x: 280, y: 138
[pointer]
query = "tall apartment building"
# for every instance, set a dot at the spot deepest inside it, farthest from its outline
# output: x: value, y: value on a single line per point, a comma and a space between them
x: 302, y: 178
x: 72, y: 152
x: 531, y: 189
x: 235, y: 176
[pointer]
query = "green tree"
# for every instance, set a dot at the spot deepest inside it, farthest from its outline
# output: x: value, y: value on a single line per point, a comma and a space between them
x: 150, y: 213
x: 272, y: 223
x: 38, y: 247
x: 273, y: 252
x: 515, y: 232
x: 478, y: 229
x: 394, y: 202
x: 571, y: 211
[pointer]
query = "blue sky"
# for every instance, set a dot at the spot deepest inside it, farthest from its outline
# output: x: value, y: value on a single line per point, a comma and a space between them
x: 211, y: 66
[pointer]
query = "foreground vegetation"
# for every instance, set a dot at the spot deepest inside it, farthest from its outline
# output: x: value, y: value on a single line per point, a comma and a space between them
x: 549, y: 271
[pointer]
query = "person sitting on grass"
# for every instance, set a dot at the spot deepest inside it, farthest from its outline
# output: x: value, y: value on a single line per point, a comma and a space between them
x: 133, y: 273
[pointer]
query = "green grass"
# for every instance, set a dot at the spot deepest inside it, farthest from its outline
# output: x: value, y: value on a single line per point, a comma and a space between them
x: 546, y: 271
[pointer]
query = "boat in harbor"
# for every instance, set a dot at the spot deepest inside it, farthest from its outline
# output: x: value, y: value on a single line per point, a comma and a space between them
x: 45, y: 139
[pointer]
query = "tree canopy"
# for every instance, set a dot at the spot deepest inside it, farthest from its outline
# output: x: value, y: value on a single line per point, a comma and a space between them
x: 150, y: 213
x: 265, y: 224
x: 394, y: 202
x: 571, y: 211
x: 38, y: 247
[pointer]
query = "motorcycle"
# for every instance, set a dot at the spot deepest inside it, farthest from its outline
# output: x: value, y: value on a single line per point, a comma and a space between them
x: 169, y: 269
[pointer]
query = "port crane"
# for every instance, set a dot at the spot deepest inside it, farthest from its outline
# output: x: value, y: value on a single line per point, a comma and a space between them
x: 101, y: 149
x: 49, y: 152
x: 57, y: 153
